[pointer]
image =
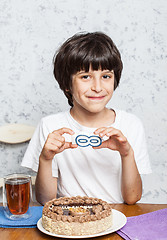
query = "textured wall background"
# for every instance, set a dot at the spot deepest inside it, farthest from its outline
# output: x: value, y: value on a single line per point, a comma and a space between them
x: 30, y: 33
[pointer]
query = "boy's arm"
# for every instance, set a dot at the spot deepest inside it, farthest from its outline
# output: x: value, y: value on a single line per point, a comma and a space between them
x: 131, y: 184
x: 46, y: 185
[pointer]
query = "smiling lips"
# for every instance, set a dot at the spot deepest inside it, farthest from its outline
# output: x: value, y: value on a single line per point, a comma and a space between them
x: 96, y: 97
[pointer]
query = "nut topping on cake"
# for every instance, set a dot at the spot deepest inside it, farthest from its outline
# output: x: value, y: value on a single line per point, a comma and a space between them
x: 78, y: 208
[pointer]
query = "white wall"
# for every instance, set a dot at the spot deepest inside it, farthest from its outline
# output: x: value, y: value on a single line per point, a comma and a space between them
x: 30, y: 33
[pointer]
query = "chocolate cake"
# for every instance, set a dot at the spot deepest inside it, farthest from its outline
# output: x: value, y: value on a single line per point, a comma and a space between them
x: 75, y: 216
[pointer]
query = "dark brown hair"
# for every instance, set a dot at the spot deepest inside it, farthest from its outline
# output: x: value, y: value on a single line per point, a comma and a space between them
x: 82, y: 50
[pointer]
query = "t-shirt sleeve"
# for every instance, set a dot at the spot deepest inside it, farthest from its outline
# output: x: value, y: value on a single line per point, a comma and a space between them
x: 137, y: 140
x: 31, y: 157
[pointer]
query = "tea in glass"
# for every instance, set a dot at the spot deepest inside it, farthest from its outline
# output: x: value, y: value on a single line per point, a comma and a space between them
x: 17, y: 195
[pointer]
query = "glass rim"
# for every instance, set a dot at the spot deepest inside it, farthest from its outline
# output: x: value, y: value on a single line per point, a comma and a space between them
x: 16, y: 175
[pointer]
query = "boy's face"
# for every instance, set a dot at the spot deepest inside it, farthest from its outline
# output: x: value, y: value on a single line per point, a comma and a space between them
x: 92, y: 90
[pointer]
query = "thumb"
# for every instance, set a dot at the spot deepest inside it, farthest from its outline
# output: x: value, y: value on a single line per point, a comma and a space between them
x: 103, y: 145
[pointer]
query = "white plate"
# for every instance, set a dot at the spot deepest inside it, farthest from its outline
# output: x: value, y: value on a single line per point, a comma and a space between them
x: 119, y: 220
x: 16, y: 133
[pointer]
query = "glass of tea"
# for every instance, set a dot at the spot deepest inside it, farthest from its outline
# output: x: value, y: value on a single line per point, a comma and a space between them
x: 17, y: 192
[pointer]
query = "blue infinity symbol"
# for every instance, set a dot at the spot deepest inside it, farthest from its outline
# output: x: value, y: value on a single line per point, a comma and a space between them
x: 85, y: 141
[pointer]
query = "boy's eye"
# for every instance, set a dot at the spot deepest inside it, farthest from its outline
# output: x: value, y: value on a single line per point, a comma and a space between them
x: 106, y: 76
x: 85, y: 76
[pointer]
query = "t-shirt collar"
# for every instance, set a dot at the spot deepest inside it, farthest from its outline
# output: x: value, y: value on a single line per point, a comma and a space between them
x: 82, y: 128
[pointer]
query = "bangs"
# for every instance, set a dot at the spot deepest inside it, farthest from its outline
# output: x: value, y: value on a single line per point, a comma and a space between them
x: 97, y: 56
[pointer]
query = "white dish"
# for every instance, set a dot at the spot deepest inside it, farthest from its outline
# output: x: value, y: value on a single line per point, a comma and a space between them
x: 119, y: 220
x: 16, y: 133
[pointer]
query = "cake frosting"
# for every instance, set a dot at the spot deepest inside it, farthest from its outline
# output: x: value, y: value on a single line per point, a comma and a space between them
x: 75, y: 216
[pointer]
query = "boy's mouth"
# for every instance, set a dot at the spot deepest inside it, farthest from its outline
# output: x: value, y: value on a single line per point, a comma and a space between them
x: 96, y: 97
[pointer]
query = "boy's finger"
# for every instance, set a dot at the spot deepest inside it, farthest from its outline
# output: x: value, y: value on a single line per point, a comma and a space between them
x: 98, y: 130
x: 55, y: 137
x: 107, y: 132
x: 114, y: 133
x: 103, y: 145
x: 70, y: 145
x: 61, y: 131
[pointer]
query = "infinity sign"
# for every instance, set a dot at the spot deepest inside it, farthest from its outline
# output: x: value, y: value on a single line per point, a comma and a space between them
x: 84, y: 141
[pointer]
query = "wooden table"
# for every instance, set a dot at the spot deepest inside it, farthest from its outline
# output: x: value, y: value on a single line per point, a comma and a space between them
x: 34, y: 233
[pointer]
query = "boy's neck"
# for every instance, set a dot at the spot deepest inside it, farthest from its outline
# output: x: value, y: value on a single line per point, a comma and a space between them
x: 94, y: 120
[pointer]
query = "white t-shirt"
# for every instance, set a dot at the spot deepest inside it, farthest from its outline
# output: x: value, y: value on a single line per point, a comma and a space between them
x: 84, y: 170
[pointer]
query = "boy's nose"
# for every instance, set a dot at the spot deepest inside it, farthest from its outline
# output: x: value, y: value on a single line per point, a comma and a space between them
x: 96, y: 85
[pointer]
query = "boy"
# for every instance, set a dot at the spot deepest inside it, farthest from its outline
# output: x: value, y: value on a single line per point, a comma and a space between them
x: 88, y: 69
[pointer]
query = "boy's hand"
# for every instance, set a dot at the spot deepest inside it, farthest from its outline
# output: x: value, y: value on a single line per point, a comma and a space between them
x: 116, y: 140
x: 55, y: 143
